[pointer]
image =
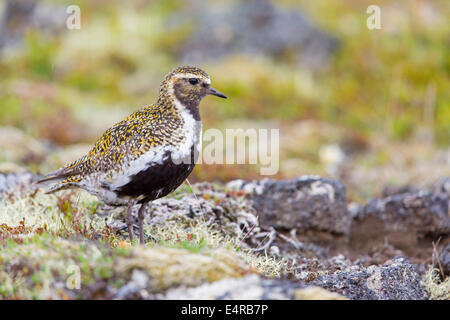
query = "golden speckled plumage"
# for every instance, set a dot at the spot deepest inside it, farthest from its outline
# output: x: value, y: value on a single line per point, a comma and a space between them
x: 151, y: 126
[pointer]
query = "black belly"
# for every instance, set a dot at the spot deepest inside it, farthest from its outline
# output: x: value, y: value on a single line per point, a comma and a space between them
x: 156, y: 181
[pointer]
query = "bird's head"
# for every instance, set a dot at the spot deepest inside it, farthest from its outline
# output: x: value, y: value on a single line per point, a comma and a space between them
x: 189, y: 85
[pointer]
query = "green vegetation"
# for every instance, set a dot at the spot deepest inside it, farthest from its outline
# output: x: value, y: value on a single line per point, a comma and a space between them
x: 386, y: 85
x: 63, y: 235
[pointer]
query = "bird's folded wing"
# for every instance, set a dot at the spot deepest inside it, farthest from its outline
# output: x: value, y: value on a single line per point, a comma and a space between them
x: 125, y: 141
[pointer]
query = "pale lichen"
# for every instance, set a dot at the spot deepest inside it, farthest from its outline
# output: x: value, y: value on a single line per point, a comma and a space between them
x: 437, y: 288
x: 41, y: 210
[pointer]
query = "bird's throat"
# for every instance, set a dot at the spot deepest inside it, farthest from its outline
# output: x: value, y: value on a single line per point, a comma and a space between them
x: 188, y: 105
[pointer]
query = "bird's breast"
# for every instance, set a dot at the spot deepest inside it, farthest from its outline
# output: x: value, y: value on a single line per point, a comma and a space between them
x: 161, y: 169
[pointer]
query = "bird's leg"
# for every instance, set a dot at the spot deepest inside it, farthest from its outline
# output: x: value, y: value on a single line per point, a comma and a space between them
x: 141, y: 216
x: 129, y: 219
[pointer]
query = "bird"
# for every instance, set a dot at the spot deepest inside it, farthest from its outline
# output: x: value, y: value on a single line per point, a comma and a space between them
x: 147, y: 155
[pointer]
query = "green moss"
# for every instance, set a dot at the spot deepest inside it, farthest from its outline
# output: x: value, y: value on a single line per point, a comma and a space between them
x: 39, y: 55
x: 402, y: 127
x: 10, y: 109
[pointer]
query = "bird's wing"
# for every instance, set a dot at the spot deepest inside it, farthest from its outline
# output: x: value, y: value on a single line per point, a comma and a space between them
x: 126, y: 138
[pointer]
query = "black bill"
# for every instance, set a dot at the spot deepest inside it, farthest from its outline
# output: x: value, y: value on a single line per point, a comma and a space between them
x: 214, y: 92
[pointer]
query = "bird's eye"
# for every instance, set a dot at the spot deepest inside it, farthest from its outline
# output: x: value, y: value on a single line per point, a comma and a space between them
x: 193, y: 81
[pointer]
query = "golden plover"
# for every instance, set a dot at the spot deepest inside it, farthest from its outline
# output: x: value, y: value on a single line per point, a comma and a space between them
x: 148, y: 154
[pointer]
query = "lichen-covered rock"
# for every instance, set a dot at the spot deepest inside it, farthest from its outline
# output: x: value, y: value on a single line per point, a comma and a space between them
x: 307, y: 203
x: 251, y: 287
x: 396, y: 279
x: 403, y: 219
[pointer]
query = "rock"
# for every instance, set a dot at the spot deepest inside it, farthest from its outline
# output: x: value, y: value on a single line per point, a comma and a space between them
x: 9, y: 182
x: 251, y: 287
x: 397, y: 279
x: 444, y: 261
x: 395, y: 190
x: 403, y: 219
x: 317, y: 293
x: 136, y: 287
x: 442, y: 187
x: 252, y: 27
x: 307, y: 203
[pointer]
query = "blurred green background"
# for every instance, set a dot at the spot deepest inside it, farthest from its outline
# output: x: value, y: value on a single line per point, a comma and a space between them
x: 370, y: 107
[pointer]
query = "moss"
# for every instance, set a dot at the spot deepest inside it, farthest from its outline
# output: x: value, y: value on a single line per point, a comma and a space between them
x: 10, y: 109
x: 169, y: 267
x: 199, y: 237
x: 40, y: 267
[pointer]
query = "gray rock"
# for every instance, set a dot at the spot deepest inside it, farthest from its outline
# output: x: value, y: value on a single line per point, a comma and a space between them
x: 251, y: 287
x: 252, y: 27
x: 307, y: 203
x: 397, y: 279
x: 9, y: 182
x: 444, y: 261
x: 403, y: 219
x: 442, y: 187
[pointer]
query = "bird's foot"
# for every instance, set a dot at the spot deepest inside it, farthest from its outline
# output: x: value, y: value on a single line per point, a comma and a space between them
x: 149, y: 237
x: 142, y: 240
